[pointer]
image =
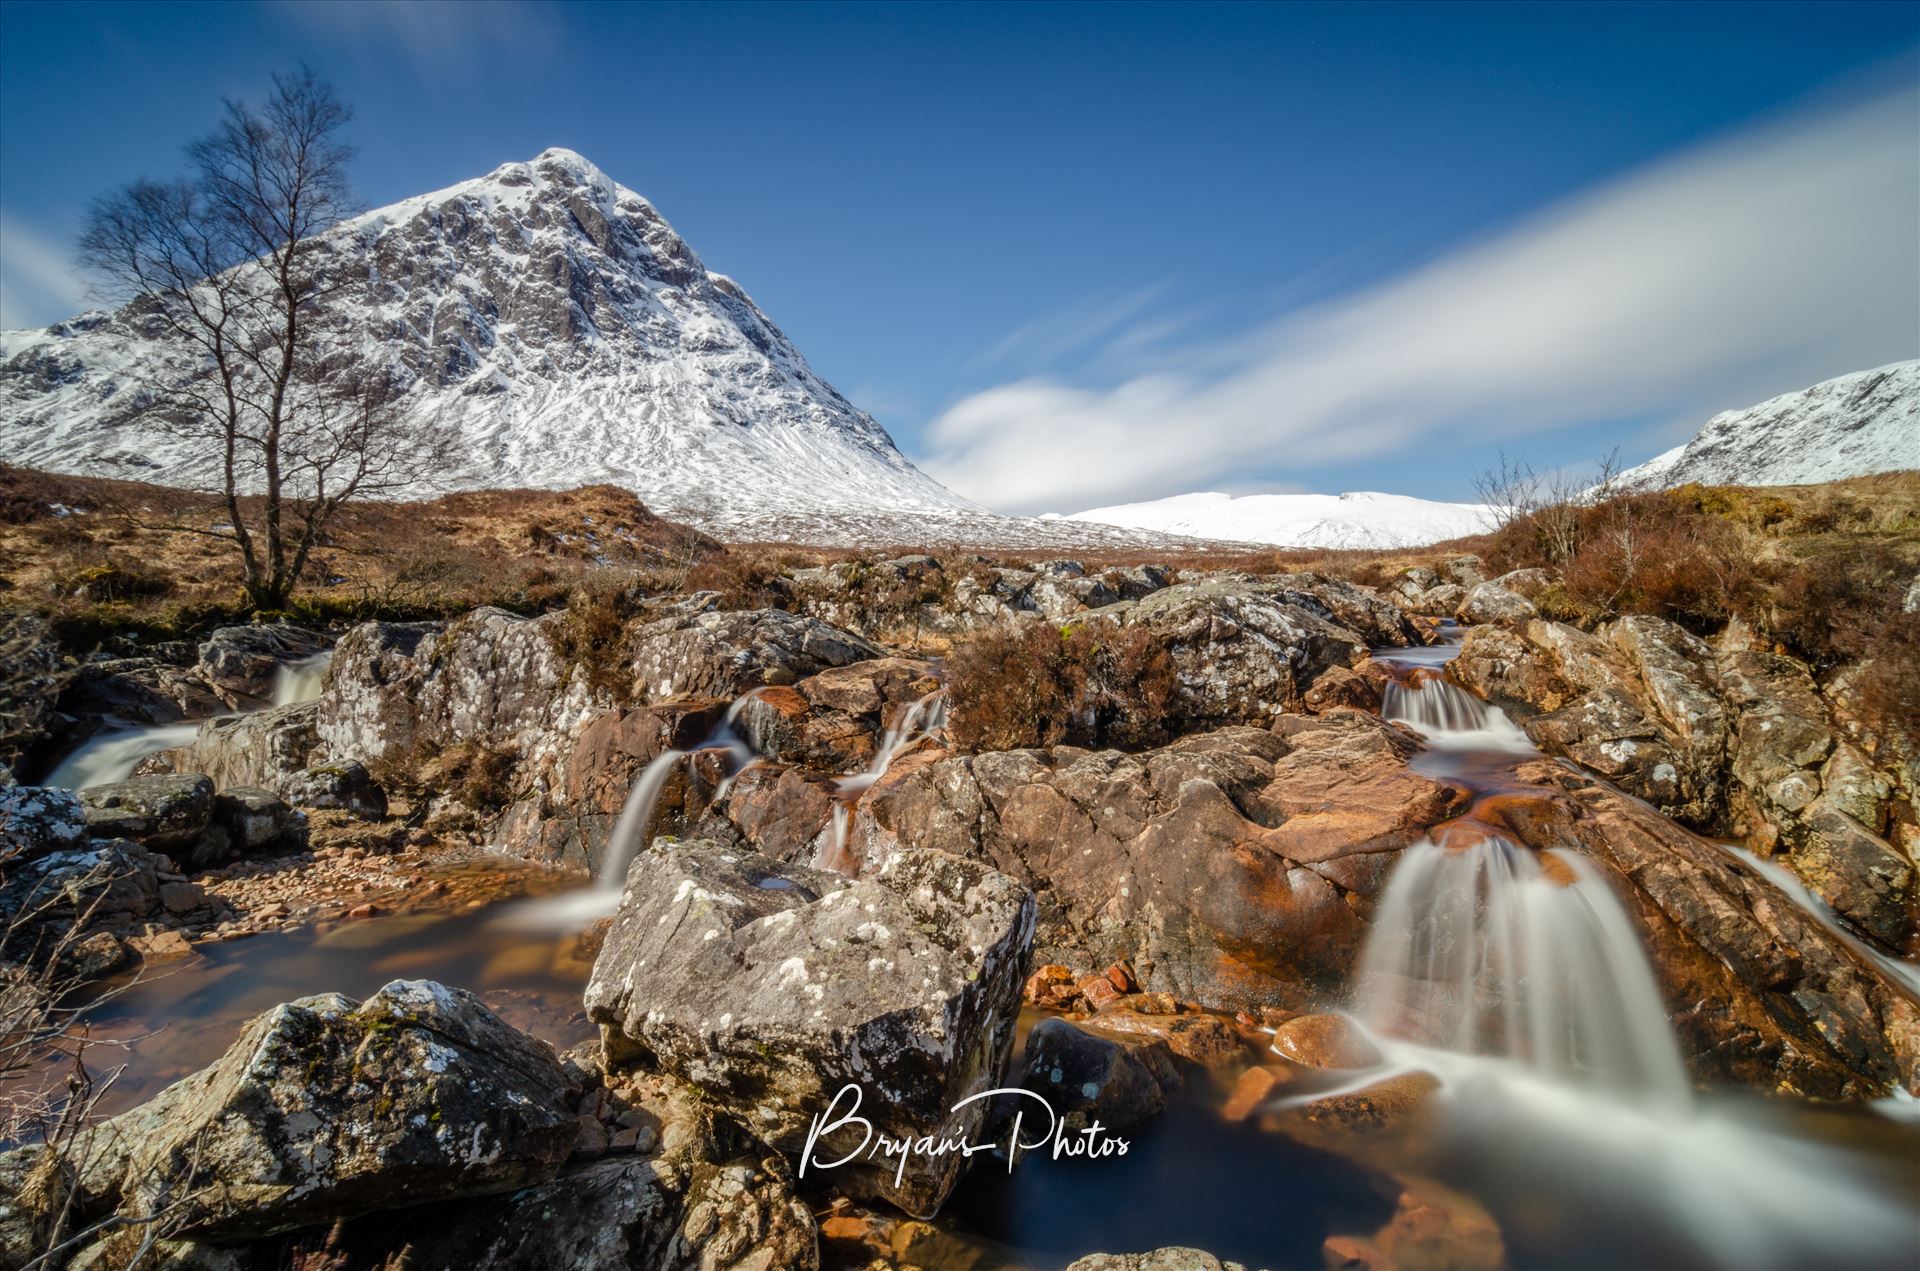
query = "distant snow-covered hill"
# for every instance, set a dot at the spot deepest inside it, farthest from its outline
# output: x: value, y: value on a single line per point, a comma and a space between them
x: 1360, y: 520
x: 559, y: 325
x: 1852, y: 426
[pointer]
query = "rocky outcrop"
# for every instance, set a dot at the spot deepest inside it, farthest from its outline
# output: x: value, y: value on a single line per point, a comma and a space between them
x: 1761, y: 992
x: 1234, y: 868
x: 33, y: 673
x: 697, y: 1193
x: 1243, y: 652
x: 396, y: 691
x: 772, y: 987
x: 723, y: 654
x: 1731, y: 741
x: 325, y: 1108
x: 242, y: 663
x: 257, y: 748
x: 164, y: 812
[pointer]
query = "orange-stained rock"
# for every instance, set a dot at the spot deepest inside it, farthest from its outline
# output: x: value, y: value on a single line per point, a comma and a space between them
x: 1325, y: 1041
x: 1255, y: 1087
x: 1203, y: 1039
x: 1351, y: 1253
x: 1234, y: 868
x: 1098, y: 990
x: 1120, y: 975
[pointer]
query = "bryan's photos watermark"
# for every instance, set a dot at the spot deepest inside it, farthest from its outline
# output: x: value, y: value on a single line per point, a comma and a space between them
x: 1091, y: 1143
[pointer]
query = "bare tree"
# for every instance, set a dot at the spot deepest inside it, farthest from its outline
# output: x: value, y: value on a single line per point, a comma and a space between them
x: 226, y: 267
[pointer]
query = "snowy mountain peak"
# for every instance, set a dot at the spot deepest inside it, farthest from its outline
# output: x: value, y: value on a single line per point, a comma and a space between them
x: 555, y: 320
x: 1851, y: 426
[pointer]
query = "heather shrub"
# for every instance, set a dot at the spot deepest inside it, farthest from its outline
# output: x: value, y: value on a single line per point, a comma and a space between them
x: 1094, y: 683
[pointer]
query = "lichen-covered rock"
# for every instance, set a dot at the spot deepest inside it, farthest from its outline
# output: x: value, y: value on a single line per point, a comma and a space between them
x: 771, y: 987
x: 1243, y: 651
x: 242, y: 663
x: 1172, y: 1258
x: 1235, y: 868
x: 257, y: 748
x: 36, y: 820
x: 702, y: 1196
x: 723, y: 654
x: 164, y: 812
x: 1087, y: 1077
x: 1491, y: 602
x: 345, y: 787
x: 326, y: 1108
x: 396, y: 691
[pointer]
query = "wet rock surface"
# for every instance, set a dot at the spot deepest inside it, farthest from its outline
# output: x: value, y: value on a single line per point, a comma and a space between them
x: 770, y: 987
x: 1234, y: 868
x: 1729, y: 741
x: 1762, y: 993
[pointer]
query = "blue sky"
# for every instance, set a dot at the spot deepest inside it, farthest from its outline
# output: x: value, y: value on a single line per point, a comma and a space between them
x: 1073, y: 254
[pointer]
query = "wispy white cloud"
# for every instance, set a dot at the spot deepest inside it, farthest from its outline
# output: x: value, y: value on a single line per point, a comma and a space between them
x: 433, y: 34
x: 1754, y: 265
x: 39, y: 283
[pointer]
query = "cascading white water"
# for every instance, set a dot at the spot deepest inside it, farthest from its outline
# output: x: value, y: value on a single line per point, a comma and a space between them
x: 1450, y: 718
x: 301, y: 680
x: 920, y: 720
x: 1519, y: 981
x: 636, y: 815
x: 113, y: 756
x: 1485, y: 950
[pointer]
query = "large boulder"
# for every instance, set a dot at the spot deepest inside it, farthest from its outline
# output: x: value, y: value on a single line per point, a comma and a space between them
x: 723, y: 654
x: 490, y: 679
x: 52, y: 900
x: 1235, y: 868
x: 1243, y: 651
x: 164, y: 812
x: 1492, y: 602
x: 326, y: 1109
x: 256, y: 748
x: 243, y: 663
x: 37, y: 820
x: 703, y: 1193
x: 772, y: 987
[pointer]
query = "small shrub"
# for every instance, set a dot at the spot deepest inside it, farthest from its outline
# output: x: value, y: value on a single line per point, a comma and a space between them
x: 1094, y: 684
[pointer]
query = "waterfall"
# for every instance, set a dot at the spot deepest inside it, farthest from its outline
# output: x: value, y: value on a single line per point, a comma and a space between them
x: 1449, y: 717
x: 919, y: 721
x: 113, y: 756
x: 629, y: 834
x: 1491, y: 950
x: 301, y: 680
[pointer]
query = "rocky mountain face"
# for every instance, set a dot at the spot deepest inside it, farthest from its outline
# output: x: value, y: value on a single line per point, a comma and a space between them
x: 556, y: 323
x: 1852, y: 426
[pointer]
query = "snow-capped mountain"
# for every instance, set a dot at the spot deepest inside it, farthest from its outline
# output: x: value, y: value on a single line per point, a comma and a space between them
x: 556, y: 321
x: 1359, y: 520
x: 1852, y: 426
